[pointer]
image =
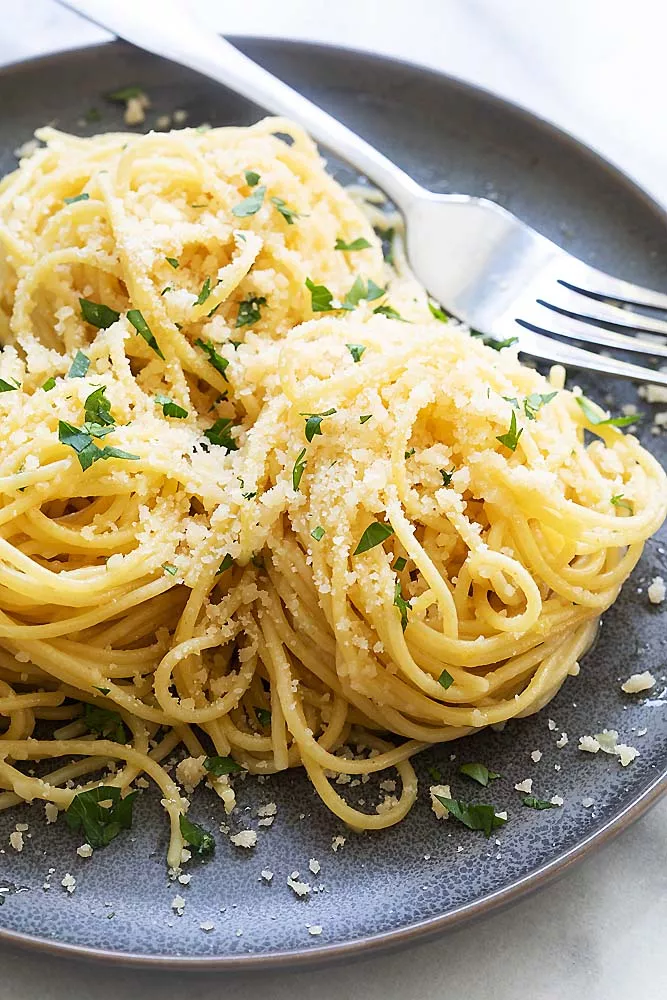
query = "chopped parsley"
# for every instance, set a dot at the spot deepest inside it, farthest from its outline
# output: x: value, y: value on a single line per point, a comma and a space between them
x: 533, y: 803
x: 317, y: 534
x: 220, y: 434
x: 598, y: 421
x: 217, y: 766
x: 437, y: 312
x: 445, y: 679
x: 97, y: 314
x: 84, y: 196
x: 365, y: 418
x: 400, y: 564
x: 533, y: 403
x: 320, y: 297
x: 314, y: 422
x: 297, y: 471
x: 390, y: 312
x: 375, y: 534
x: 359, y: 244
x: 8, y: 387
x: 169, y: 408
x: 215, y: 359
x: 479, y: 773
x: 434, y: 774
x: 473, y: 815
x: 251, y: 178
x: 200, y: 840
x: 204, y: 293
x: 137, y: 320
x: 498, y: 345
x: 49, y: 384
x: 97, y: 413
x: 356, y: 350
x: 227, y: 563
x: 447, y: 476
x: 263, y: 716
x: 105, y: 722
x: 79, y: 366
x: 170, y: 569
x: 86, y: 450
x: 288, y: 214
x: 360, y: 291
x: 249, y: 310
x: 104, y: 691
x: 402, y: 605
x: 250, y: 205
x: 511, y: 438
x: 172, y: 261
x: 125, y: 94
x: 100, y: 822
x: 408, y: 454
x: 618, y: 501
x: 388, y: 245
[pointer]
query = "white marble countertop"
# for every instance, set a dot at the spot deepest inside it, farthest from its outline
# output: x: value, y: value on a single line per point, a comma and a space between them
x: 598, y: 69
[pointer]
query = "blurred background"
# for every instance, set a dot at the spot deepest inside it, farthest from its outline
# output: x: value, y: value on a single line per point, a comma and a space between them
x: 597, y: 69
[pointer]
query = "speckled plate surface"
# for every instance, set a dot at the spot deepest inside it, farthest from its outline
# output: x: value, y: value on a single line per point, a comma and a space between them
x: 385, y: 888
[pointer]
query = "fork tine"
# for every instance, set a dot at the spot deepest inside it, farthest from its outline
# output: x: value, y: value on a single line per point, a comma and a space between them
x: 538, y: 346
x: 573, y: 302
x: 589, y: 280
x: 545, y: 318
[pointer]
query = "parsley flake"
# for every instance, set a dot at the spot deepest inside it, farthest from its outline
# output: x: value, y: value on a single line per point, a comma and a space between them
x: 49, y: 384
x: 8, y: 387
x: 200, y: 840
x: 227, y: 563
x: 250, y: 205
x: 475, y: 816
x: 437, y: 312
x: 356, y: 350
x: 81, y: 440
x: 251, y: 178
x: 125, y: 94
x: 511, y: 438
x: 376, y: 533
x: 359, y: 244
x: 217, y: 766
x: 173, y: 261
x: 360, y: 291
x: 249, y: 311
x: 79, y: 366
x: 479, y: 773
x: 297, y: 471
x: 100, y: 822
x: 97, y: 314
x: 169, y: 408
x: 618, y: 501
x: 317, y: 534
x: 204, y: 293
x: 106, y: 723
x: 402, y: 605
x: 141, y: 326
x: 220, y: 434
x: 447, y: 476
x: 400, y: 564
x: 498, y: 345
x: 533, y: 403
x: 320, y: 297
x: 288, y: 214
x: 215, y: 359
x: 84, y: 196
x: 170, y: 569
x: 263, y: 716
x: 599, y: 421
x: 533, y: 803
x: 390, y: 312
x: 365, y: 418
x: 314, y: 421
x: 434, y: 774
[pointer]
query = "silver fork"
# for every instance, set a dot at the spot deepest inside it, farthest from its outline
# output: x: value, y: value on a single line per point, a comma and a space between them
x: 484, y: 265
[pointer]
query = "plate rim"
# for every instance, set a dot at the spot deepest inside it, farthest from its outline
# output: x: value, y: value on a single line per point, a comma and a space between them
x: 370, y: 945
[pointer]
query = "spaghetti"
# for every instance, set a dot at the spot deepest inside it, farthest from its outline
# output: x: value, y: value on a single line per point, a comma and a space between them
x: 257, y: 500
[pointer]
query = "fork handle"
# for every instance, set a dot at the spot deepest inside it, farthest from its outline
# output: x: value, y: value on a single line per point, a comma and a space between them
x: 168, y: 29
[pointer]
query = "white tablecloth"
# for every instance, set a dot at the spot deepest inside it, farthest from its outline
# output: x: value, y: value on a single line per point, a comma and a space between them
x: 596, y: 68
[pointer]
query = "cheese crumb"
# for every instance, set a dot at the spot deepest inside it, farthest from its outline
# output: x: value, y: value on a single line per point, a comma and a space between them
x: 68, y: 882
x: 525, y: 786
x: 587, y: 802
x: 85, y: 851
x: 315, y: 930
x: 638, y: 682
x: 300, y: 888
x: 314, y: 866
x: 207, y: 926
x: 657, y: 590
x: 245, y: 838
x: 589, y: 744
x: 178, y: 904
x: 556, y: 800
x: 551, y: 724
x: 51, y: 811
x: 536, y: 756
x: 436, y: 805
x: 337, y: 843
x: 266, y: 874
x: 16, y: 840
x: 562, y: 741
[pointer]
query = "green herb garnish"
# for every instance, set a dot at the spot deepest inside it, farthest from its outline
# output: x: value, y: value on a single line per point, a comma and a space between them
x: 170, y: 569
x: 533, y: 803
x: 288, y: 214
x: 105, y: 722
x: 598, y: 421
x: 437, y: 312
x: 447, y: 476
x: 359, y: 244
x: 100, y: 823
x: 200, y: 840
x: 141, y: 326
x: 250, y: 205
x: 220, y: 434
x: 434, y: 774
x: 356, y: 350
x: 360, y: 291
x: 533, y: 404
x: 317, y: 534
x: 87, y: 451
x: 215, y: 359
x: 97, y: 314
x: 618, y: 501
x: 49, y: 384
x: 125, y: 94
x: 79, y: 366
x: 8, y: 387
x: 511, y: 438
x: 474, y: 816
x: 402, y: 605
x: 297, y: 471
x: 217, y: 766
x: 263, y: 716
x: 84, y: 196
x: 204, y: 293
x: 375, y: 534
x: 314, y: 421
x: 251, y: 178
x: 173, y: 261
x: 479, y: 773
x: 408, y: 454
x: 498, y: 345
x: 169, y: 408
x: 249, y: 310
x: 227, y: 563
x: 365, y: 418
x: 320, y: 297
x: 445, y: 679
x: 390, y: 312
x: 400, y: 564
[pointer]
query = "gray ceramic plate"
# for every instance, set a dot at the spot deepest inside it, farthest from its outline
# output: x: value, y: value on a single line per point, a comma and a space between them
x: 384, y: 888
